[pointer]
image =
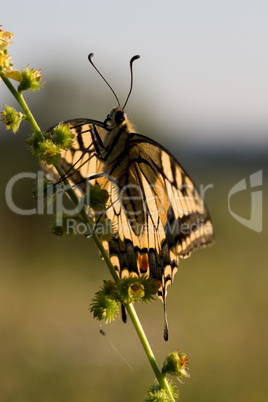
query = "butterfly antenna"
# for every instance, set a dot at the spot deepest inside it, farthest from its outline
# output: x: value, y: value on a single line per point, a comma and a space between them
x: 131, y: 78
x: 91, y: 62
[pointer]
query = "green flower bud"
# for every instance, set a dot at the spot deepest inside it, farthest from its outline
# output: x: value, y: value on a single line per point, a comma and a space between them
x: 11, y: 118
x: 158, y: 394
x: 49, y: 152
x: 104, y: 307
x: 62, y: 136
x: 136, y: 291
x: 141, y: 289
x: 46, y: 150
x: 175, y: 364
x: 30, y: 79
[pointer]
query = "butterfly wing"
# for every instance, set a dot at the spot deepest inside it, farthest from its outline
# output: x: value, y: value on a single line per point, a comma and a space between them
x: 79, y: 162
x: 160, y: 216
x: 157, y: 213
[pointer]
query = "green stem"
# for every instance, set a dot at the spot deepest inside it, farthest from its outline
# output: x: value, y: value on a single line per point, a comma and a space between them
x: 129, y: 307
x: 9, y: 85
x: 147, y: 348
x: 30, y: 117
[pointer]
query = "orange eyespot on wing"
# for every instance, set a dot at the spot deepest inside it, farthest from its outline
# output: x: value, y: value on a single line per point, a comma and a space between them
x: 143, y: 263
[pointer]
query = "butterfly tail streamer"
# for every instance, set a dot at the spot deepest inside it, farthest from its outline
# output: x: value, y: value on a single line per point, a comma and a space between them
x: 165, y: 322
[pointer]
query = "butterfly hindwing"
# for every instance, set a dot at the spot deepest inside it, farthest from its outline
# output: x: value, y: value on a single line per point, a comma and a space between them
x: 171, y: 219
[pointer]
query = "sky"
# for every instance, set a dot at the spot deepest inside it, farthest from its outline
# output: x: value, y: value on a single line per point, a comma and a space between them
x: 203, y: 66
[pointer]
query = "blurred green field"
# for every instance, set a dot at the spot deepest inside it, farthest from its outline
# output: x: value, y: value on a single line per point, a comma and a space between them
x: 51, y: 349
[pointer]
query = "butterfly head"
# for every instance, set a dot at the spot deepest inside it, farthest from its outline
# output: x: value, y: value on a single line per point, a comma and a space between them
x: 116, y: 118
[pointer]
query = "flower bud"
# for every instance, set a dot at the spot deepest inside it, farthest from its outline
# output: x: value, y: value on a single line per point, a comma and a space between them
x: 175, y: 364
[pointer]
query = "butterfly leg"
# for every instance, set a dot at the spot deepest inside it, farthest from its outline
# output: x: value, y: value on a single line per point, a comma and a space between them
x: 100, y: 149
x: 97, y: 176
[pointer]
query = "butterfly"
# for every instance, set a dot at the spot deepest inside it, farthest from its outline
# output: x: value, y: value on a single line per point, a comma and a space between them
x: 157, y: 213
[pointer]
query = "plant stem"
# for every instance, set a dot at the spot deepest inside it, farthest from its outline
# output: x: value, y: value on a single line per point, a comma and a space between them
x: 29, y: 116
x: 147, y: 348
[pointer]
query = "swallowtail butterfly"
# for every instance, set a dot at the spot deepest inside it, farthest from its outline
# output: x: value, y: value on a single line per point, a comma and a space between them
x: 157, y: 214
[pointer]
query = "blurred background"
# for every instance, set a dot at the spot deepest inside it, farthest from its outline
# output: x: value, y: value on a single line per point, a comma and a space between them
x: 201, y: 90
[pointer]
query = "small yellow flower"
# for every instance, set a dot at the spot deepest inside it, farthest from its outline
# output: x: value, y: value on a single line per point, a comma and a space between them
x: 28, y: 78
x: 13, y: 74
x: 5, y: 38
x: 5, y: 60
x: 6, y: 66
